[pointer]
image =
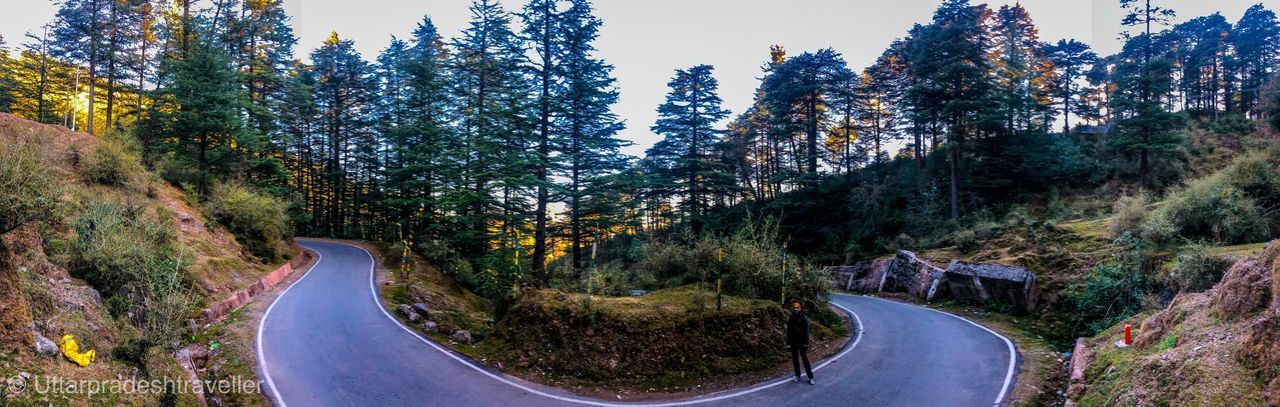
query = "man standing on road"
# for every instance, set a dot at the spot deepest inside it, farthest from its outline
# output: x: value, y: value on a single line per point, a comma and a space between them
x: 798, y: 341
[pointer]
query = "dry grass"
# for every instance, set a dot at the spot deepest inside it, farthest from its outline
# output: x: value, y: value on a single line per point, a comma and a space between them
x: 66, y: 305
x: 1206, y: 348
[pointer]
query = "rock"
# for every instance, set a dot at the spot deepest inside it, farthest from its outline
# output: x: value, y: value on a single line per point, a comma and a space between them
x: 194, y: 356
x: 420, y: 308
x: 44, y: 346
x: 462, y: 336
x: 861, y: 277
x: 909, y: 274
x: 408, y: 312
x: 986, y: 282
x: 431, y: 326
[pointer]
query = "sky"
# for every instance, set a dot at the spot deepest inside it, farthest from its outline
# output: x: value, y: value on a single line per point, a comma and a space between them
x: 646, y: 40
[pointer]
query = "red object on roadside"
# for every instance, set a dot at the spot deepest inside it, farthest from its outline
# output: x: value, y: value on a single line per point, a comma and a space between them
x: 1128, y: 335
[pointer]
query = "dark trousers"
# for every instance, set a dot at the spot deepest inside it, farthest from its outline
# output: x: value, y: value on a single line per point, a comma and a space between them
x: 799, y: 353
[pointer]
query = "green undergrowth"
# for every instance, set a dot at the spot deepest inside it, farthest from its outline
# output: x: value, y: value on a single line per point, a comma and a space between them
x: 663, y: 340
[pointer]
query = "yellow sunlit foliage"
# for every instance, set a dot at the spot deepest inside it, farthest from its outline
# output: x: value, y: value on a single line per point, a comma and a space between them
x: 51, y: 91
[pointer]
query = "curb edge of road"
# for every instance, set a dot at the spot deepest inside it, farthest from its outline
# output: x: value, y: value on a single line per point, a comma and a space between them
x: 1009, y: 379
x: 262, y: 323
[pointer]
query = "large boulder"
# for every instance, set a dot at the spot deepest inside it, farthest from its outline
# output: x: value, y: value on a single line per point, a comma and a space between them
x: 861, y: 277
x: 986, y: 282
x: 907, y: 273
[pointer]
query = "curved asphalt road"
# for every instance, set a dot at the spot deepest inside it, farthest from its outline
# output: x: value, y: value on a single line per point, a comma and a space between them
x: 325, y: 341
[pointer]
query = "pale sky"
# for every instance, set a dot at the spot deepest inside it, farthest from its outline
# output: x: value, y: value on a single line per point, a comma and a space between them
x: 646, y: 40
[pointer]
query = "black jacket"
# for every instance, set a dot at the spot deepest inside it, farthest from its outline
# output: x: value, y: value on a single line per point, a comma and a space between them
x: 798, y: 330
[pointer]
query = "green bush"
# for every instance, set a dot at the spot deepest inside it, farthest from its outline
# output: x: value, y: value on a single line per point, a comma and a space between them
x: 259, y: 221
x: 1158, y: 228
x: 1258, y: 175
x: 29, y: 190
x: 115, y: 162
x: 1212, y: 208
x: 1128, y: 214
x: 1110, y: 293
x: 127, y: 254
x: 753, y: 267
x: 1197, y: 271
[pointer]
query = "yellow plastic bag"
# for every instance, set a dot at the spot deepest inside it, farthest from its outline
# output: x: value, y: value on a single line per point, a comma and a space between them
x: 72, y: 351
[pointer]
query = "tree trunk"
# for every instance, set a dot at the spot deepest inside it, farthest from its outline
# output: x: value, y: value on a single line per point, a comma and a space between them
x: 544, y: 151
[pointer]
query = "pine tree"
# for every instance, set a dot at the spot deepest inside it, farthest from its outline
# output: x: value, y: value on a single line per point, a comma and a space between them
x: 1203, y: 57
x: 952, y: 80
x: 36, y: 96
x: 298, y: 117
x: 415, y: 120
x: 342, y: 95
x: 488, y: 86
x: 1017, y: 56
x: 796, y: 93
x: 1256, y: 40
x: 204, y: 117
x: 687, y: 122
x: 1148, y: 125
x: 8, y: 84
x: 845, y: 106
x: 80, y: 30
x: 879, y: 92
x: 590, y: 145
x: 1072, y: 59
x: 544, y: 31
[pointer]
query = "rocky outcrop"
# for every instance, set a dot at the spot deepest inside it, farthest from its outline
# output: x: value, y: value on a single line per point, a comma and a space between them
x: 907, y: 273
x: 986, y: 282
x: 861, y: 277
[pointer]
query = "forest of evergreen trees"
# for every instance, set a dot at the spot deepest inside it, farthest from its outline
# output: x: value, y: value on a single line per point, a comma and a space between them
x: 502, y: 143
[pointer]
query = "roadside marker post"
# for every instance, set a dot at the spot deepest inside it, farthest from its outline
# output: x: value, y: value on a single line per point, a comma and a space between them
x: 591, y: 271
x: 1128, y: 337
x: 783, y: 300
x: 719, y: 271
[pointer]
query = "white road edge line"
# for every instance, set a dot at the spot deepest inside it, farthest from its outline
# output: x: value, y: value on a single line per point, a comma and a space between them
x: 276, y: 398
x: 377, y: 301
x: 1013, y: 353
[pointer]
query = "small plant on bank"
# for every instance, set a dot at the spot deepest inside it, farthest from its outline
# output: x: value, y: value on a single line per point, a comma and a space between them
x: 115, y: 162
x: 29, y: 191
x: 258, y: 220
x: 1197, y: 271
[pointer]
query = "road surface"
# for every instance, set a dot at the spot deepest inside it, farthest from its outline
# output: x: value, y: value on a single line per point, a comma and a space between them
x: 326, y: 341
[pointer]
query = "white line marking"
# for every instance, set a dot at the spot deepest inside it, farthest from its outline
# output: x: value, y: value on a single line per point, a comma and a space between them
x: 1013, y: 353
x: 378, y: 302
x: 262, y: 361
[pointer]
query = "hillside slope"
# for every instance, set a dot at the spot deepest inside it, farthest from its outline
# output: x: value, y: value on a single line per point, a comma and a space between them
x: 1218, y: 347
x: 109, y: 253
